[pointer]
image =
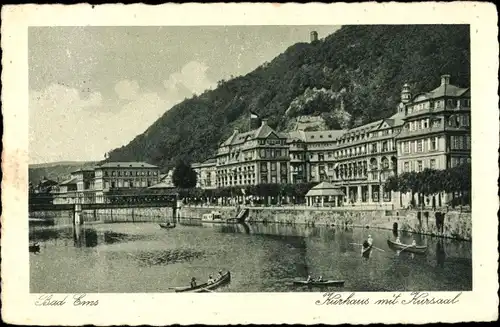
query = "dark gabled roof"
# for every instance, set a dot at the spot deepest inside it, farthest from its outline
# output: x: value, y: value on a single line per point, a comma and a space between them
x: 69, y: 181
x: 262, y: 132
x: 126, y: 165
x: 323, y: 136
x: 443, y: 90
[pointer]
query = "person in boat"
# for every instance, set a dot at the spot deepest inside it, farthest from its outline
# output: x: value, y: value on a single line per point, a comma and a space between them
x: 193, y: 282
x: 370, y: 240
x: 220, y: 274
x: 168, y: 224
x: 398, y: 240
x: 210, y: 280
x: 310, y: 279
x: 320, y: 279
x: 414, y: 243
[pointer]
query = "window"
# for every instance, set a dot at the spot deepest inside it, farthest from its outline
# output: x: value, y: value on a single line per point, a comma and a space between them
x: 433, y: 143
x: 406, y: 148
x: 467, y: 142
x: 419, y: 165
x: 263, y: 167
x: 406, y: 167
x: 385, y: 146
x: 420, y: 145
x: 262, y: 153
x: 273, y: 166
x: 432, y: 164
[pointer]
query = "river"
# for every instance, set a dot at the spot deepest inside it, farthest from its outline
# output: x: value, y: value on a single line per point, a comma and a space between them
x: 142, y: 257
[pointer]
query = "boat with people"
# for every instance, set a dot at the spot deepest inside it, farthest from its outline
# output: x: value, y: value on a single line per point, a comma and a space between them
x: 407, y: 247
x: 367, y: 247
x: 166, y: 225
x: 320, y: 282
x: 206, y: 287
x: 35, y: 248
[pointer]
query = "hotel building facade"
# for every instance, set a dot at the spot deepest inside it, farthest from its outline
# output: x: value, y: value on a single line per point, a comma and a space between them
x: 427, y: 130
x: 93, y: 185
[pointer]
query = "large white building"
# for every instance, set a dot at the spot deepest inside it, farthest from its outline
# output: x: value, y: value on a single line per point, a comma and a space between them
x: 427, y: 130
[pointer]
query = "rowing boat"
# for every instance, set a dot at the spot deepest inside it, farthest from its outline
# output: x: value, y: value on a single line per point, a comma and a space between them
x: 162, y: 225
x: 224, y: 279
x: 320, y: 283
x: 35, y: 248
x: 410, y: 248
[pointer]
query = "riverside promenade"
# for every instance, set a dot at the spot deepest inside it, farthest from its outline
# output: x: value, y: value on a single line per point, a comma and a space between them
x: 450, y: 224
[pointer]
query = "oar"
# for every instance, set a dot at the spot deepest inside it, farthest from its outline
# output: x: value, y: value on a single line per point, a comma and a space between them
x: 378, y: 248
x: 404, y: 248
x: 372, y: 246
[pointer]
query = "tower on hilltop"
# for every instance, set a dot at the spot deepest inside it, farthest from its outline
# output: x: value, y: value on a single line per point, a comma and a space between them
x: 314, y: 36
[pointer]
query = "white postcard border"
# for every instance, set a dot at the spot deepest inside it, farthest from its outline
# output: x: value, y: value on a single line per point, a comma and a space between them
x: 18, y: 306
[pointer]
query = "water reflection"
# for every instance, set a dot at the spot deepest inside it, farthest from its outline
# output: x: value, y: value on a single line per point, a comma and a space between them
x: 440, y: 253
x: 84, y: 237
x: 140, y: 257
x: 158, y: 258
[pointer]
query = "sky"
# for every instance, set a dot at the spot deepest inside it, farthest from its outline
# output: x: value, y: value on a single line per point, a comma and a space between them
x: 93, y: 89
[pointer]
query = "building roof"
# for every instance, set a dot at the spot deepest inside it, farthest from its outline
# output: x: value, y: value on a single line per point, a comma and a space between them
x: 323, y: 136
x: 126, y: 165
x: 208, y: 162
x: 161, y: 185
x: 262, y: 132
x: 82, y: 170
x: 69, y: 181
x: 325, y: 189
x: 448, y: 90
x: 48, y: 182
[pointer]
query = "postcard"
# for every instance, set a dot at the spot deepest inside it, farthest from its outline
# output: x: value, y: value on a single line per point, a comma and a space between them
x: 249, y: 163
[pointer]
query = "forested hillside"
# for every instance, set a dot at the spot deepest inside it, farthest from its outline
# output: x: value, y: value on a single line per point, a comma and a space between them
x: 362, y: 67
x: 57, y: 171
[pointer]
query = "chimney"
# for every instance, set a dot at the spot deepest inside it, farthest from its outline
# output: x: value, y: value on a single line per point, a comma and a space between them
x: 445, y: 79
x: 264, y: 121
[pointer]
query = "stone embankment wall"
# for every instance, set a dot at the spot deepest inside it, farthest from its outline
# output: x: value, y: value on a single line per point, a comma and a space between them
x: 315, y: 216
x: 451, y: 224
x: 147, y: 214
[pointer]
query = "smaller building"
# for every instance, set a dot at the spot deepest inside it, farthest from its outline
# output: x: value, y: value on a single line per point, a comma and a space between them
x: 206, y: 174
x: 93, y: 185
x: 325, y: 195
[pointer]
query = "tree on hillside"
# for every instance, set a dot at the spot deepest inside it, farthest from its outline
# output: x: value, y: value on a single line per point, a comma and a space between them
x: 368, y: 65
x: 184, y: 176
